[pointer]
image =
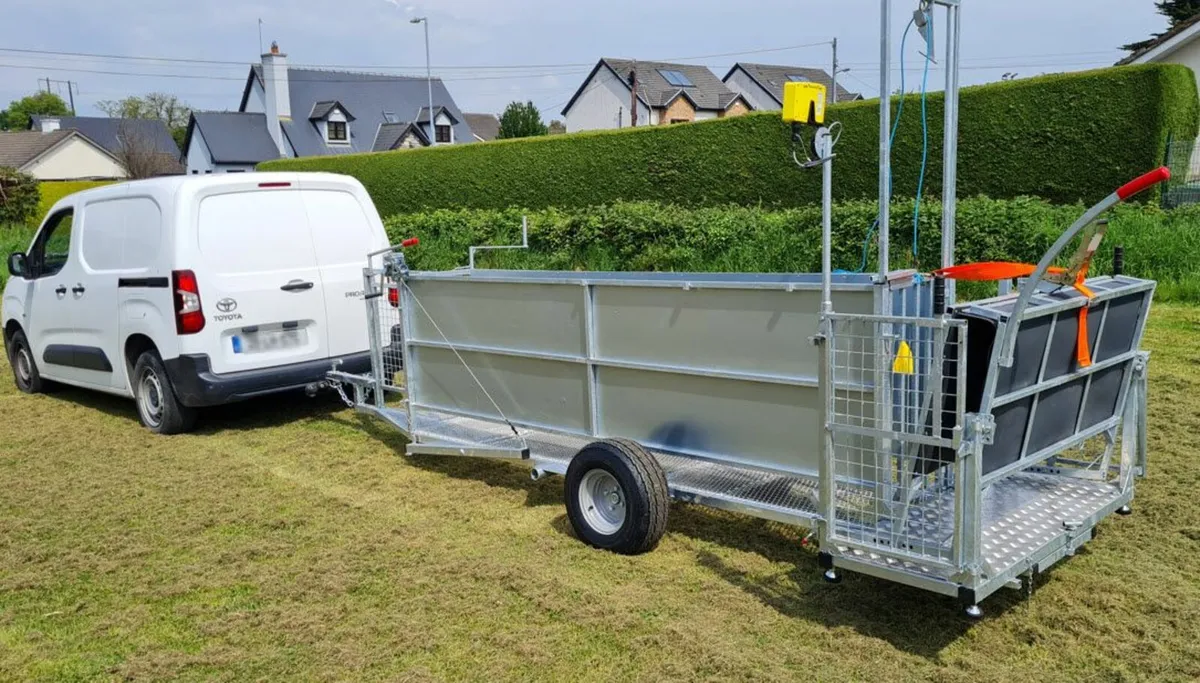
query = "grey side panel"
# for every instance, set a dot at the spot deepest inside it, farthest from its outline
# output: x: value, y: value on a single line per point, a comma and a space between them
x: 528, y: 390
x: 529, y: 317
x: 758, y: 331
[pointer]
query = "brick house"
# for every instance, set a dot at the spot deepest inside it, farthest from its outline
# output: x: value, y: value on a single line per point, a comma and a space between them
x: 666, y: 93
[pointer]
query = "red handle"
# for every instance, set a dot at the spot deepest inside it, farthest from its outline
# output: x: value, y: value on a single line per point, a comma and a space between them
x: 1145, y: 182
x: 410, y: 242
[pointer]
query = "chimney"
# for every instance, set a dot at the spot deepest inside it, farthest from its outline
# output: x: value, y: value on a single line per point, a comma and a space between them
x: 278, y: 103
x: 49, y: 125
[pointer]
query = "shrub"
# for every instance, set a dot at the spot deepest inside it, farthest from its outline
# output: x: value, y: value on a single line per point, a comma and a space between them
x: 18, y: 196
x: 1163, y: 245
x: 1066, y: 138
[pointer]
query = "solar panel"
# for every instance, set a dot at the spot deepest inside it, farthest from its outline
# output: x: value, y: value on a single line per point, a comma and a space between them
x: 676, y: 78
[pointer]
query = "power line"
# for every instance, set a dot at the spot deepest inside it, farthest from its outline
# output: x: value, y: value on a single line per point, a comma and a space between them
x: 364, y: 78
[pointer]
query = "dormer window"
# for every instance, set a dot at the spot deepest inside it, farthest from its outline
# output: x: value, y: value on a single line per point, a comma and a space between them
x: 332, y: 122
x: 442, y: 132
x: 337, y: 131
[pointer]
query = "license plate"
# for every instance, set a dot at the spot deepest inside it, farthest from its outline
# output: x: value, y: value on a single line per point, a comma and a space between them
x: 268, y: 340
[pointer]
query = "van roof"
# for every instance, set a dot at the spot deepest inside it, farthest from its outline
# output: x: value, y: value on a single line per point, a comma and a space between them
x: 172, y: 185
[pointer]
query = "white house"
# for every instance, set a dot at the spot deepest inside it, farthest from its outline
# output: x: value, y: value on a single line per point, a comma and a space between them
x: 1177, y: 46
x: 762, y: 84
x: 666, y: 93
x: 288, y: 112
x: 64, y: 154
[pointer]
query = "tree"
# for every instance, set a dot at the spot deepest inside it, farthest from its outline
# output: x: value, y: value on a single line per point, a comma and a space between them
x: 557, y: 127
x: 16, y: 117
x: 521, y: 121
x: 155, y: 105
x: 139, y: 154
x: 1176, y: 11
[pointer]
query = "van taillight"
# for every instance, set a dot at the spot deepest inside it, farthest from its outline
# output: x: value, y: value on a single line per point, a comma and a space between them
x: 189, y: 316
x: 394, y: 296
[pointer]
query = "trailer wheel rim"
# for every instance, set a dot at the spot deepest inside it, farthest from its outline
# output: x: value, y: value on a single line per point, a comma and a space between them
x: 150, y: 398
x: 24, y: 366
x: 602, y: 501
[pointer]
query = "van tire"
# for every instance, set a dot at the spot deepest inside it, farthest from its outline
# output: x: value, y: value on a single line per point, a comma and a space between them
x: 617, y: 497
x: 25, y: 371
x: 158, y: 408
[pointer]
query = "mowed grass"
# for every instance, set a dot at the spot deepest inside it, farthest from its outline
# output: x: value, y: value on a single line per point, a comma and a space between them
x: 289, y: 540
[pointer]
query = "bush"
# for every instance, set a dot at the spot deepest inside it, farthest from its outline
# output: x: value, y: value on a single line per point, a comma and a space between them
x: 1163, y: 245
x: 1066, y: 138
x: 18, y: 196
x: 55, y: 190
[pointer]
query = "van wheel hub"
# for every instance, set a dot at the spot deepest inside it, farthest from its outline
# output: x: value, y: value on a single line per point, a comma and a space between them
x: 150, y: 398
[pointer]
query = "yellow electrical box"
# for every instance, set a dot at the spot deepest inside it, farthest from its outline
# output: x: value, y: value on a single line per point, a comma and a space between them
x: 804, y: 102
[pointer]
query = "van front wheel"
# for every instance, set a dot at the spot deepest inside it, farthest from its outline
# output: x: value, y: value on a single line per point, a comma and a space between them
x: 158, y: 408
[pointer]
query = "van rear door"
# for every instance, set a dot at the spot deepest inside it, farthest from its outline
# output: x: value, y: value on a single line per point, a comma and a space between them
x: 345, y: 228
x: 260, y: 286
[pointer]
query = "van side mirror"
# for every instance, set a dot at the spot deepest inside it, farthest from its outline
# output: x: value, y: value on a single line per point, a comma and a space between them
x: 16, y: 264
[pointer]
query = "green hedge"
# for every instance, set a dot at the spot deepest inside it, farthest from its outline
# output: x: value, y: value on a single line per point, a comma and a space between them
x: 1164, y: 245
x: 1066, y: 138
x: 52, y: 191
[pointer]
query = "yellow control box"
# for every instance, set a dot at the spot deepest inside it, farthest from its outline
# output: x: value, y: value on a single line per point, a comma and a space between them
x: 804, y: 102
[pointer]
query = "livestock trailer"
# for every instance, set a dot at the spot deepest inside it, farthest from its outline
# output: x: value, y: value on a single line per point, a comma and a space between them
x: 958, y: 447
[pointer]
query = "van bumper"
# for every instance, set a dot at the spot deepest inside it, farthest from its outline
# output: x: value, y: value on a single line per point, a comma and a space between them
x: 196, y: 386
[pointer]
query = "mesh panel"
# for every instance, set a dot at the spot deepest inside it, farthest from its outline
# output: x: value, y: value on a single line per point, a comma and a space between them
x: 895, y: 415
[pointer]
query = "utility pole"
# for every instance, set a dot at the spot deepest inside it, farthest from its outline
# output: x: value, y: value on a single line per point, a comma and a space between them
x: 428, y: 79
x: 633, y: 98
x: 833, y: 93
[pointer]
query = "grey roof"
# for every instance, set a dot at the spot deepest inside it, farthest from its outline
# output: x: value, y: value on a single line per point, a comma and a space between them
x: 234, y: 137
x: 706, y: 92
x: 367, y: 95
x: 321, y: 109
x: 21, y: 147
x: 104, y: 131
x: 484, y: 126
x: 772, y: 77
x: 423, y: 114
x: 390, y: 134
x: 1148, y: 45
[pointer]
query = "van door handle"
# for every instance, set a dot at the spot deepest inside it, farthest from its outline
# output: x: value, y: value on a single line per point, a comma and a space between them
x: 78, y: 289
x: 297, y: 286
x: 61, y: 290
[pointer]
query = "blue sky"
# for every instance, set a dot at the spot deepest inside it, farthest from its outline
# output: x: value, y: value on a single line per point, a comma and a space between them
x: 550, y: 43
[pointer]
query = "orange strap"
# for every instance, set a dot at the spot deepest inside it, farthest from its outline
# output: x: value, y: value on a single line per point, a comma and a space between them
x: 990, y: 271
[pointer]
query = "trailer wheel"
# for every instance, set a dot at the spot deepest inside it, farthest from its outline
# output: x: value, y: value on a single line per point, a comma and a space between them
x: 617, y: 498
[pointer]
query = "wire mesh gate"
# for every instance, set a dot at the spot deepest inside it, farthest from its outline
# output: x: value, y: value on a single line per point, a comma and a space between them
x: 895, y: 403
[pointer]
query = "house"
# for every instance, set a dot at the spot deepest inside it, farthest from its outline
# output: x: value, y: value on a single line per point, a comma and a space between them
x: 1180, y: 45
x: 666, y: 93
x: 484, y: 127
x: 64, y: 154
x: 121, y: 137
x: 762, y: 84
x: 289, y: 112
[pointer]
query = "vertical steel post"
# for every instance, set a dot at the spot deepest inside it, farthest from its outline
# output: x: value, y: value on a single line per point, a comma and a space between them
x: 373, y: 333
x: 950, y: 146
x: 825, y: 151
x: 885, y: 129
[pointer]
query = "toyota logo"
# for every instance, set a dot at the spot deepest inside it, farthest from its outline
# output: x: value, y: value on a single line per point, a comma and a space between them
x: 226, y: 305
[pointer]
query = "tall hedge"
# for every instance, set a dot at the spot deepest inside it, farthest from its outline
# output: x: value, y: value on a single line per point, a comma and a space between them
x: 1163, y: 245
x: 1066, y: 138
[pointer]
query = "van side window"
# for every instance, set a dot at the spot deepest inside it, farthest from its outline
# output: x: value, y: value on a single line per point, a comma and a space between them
x: 121, y: 234
x: 53, y: 245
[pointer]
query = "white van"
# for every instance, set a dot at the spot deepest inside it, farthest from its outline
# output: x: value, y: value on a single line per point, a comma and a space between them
x: 187, y: 292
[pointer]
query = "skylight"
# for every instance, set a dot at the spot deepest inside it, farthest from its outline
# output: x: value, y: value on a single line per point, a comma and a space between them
x: 676, y: 78
x: 797, y: 78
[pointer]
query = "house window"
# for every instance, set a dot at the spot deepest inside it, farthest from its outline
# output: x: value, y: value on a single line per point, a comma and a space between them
x: 676, y: 78
x: 337, y: 131
x: 681, y: 121
x: 442, y: 133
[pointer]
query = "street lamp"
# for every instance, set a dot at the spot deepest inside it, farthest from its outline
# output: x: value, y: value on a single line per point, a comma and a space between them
x: 428, y: 79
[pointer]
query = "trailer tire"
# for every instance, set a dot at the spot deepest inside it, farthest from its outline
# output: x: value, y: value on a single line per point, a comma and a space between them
x: 617, y: 498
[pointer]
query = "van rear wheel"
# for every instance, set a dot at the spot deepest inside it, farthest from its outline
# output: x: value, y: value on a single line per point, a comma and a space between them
x: 158, y: 408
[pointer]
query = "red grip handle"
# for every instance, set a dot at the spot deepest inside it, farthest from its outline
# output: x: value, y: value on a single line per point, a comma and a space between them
x: 1145, y: 182
x: 410, y: 242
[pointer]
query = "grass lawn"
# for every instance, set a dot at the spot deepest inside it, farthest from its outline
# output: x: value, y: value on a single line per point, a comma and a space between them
x: 289, y: 540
